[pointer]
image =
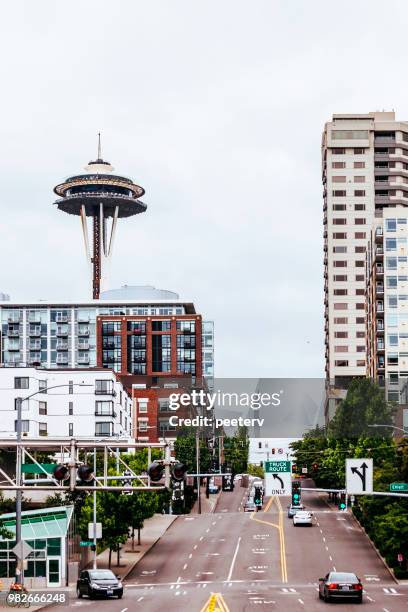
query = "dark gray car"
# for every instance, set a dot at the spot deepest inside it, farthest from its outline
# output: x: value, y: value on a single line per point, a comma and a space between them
x: 340, y: 585
x: 99, y: 583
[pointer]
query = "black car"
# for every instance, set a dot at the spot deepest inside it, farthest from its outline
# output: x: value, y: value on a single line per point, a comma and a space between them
x: 99, y: 583
x: 340, y: 585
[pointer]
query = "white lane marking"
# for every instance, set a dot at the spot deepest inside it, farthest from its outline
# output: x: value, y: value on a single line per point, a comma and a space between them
x: 370, y: 598
x: 331, y: 558
x: 177, y: 593
x: 204, y: 585
x: 190, y: 555
x: 393, y: 590
x: 320, y: 531
x: 177, y: 586
x: 233, y: 559
x: 301, y: 602
x: 140, y: 599
x: 334, y: 569
x: 207, y: 530
x: 327, y: 548
x: 195, y: 547
x: 324, y: 539
x: 189, y: 518
x: 124, y: 610
x: 292, y: 590
x: 172, y: 586
x: 178, y: 579
x: 185, y: 566
x: 213, y: 523
x: 385, y: 610
x: 317, y: 523
x: 202, y: 538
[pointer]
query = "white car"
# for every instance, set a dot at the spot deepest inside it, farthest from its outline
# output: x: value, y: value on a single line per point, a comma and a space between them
x: 302, y: 517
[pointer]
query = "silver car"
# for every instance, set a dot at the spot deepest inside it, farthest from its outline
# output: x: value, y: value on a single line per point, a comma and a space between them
x: 302, y: 517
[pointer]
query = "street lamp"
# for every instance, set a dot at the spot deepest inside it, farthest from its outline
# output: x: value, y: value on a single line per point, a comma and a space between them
x: 19, y: 403
x: 404, y: 431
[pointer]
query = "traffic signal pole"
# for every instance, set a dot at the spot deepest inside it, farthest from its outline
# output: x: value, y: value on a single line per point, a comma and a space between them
x: 198, y: 470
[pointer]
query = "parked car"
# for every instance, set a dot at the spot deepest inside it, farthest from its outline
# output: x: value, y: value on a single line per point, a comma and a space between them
x: 340, y: 585
x: 302, y: 517
x: 212, y: 488
x: 99, y: 583
x: 250, y: 506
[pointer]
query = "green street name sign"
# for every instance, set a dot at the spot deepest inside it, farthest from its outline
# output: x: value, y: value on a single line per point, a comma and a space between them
x: 399, y: 486
x: 85, y: 543
x: 277, y: 466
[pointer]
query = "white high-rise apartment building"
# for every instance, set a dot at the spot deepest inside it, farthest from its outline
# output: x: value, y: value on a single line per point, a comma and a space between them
x: 365, y: 170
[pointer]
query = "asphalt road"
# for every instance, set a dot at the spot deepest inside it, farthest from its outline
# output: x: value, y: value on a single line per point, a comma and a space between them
x: 254, y: 562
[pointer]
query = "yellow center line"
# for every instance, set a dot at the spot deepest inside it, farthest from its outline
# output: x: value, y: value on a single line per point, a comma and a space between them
x: 280, y: 528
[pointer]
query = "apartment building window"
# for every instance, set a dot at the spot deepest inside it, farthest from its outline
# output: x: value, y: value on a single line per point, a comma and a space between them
x: 104, y: 408
x: 340, y: 292
x: 360, y: 348
x: 70, y: 408
x: 359, y: 207
x: 359, y: 151
x: 392, y: 359
x: 340, y: 277
x: 360, y: 306
x: 359, y: 249
x: 359, y: 235
x: 142, y: 405
x: 359, y: 179
x: 391, y: 225
x: 340, y: 264
x: 393, y: 339
x: 104, y: 428
x: 159, y: 326
x: 359, y: 221
x: 42, y: 429
x: 360, y: 277
x: 42, y: 407
x: 360, y: 291
x: 359, y: 263
x: 71, y: 387
x: 341, y: 334
x: 361, y: 363
x: 360, y: 334
x: 341, y: 349
x: 25, y: 426
x: 359, y: 164
x: 142, y: 426
x: 338, y: 151
x: 390, y: 244
x: 339, y: 235
x: 340, y: 306
x: 339, y: 193
x: 164, y: 405
x: 339, y: 207
x: 21, y: 382
x: 360, y: 320
x: 359, y: 193
x: 341, y: 363
x: 350, y: 135
x: 70, y: 429
x: 339, y: 221
x: 339, y: 249
x: 340, y: 320
x: 338, y: 165
x: 392, y: 282
x: 103, y: 387
x: 42, y: 386
x: 338, y: 179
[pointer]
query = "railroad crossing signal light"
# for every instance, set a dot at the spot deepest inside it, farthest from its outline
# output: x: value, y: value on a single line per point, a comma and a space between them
x: 178, y: 470
x: 60, y: 472
x: 296, y: 493
x: 85, y: 473
x: 155, y: 471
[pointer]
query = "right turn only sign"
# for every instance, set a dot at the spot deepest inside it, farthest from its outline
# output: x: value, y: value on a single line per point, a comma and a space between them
x: 359, y: 476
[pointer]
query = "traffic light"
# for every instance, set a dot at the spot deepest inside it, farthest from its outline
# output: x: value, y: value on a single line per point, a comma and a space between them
x: 178, y: 470
x: 85, y: 473
x: 127, y: 483
x: 60, y: 472
x: 294, y: 468
x: 342, y: 503
x: 315, y: 466
x: 214, y: 466
x: 155, y: 471
x: 296, y: 493
x: 258, y: 495
x: 228, y: 483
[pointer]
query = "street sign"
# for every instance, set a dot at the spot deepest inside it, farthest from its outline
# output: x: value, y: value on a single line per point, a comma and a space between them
x: 85, y: 543
x: 277, y: 466
x: 22, y: 549
x: 304, y: 470
x: 278, y: 483
x: 399, y: 486
x: 359, y: 476
x: 98, y: 530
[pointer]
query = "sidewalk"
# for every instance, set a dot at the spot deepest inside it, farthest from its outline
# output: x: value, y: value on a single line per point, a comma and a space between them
x: 207, y: 505
x: 152, y: 531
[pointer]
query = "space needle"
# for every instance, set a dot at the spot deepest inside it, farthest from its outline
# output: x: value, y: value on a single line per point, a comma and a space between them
x: 105, y: 196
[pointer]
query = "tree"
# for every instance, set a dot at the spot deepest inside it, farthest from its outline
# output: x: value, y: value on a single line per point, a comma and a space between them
x: 185, y: 452
x: 256, y: 470
x: 236, y: 449
x: 139, y: 506
x: 113, y: 514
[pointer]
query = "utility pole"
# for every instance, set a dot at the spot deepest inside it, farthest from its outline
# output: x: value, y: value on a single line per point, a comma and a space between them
x: 94, y: 513
x: 19, y: 564
x: 198, y: 469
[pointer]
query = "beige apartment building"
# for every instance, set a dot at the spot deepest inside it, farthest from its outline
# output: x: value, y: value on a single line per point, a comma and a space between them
x: 365, y: 172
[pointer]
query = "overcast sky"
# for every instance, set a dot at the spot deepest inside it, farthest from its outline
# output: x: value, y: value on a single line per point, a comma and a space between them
x: 216, y: 108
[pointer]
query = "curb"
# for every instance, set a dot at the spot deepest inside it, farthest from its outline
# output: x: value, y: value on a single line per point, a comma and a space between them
x: 379, y: 555
x: 131, y: 567
x: 216, y: 502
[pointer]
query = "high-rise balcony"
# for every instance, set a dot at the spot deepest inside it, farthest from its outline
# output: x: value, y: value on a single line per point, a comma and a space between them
x: 83, y: 360
x: 61, y: 319
x: 62, y: 359
x: 13, y: 333
x: 34, y: 345
x: 62, y: 332
x: 83, y: 346
x: 62, y: 346
x: 35, y: 332
x: 34, y: 358
x: 83, y: 331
